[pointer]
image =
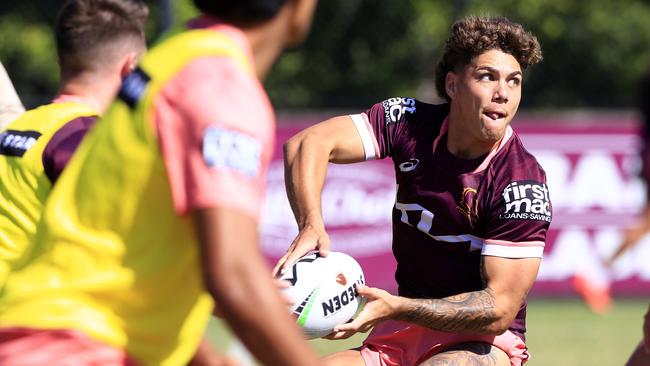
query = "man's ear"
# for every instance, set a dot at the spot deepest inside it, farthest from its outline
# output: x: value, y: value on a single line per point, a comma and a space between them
x: 129, y: 63
x: 302, y: 13
x: 450, y: 84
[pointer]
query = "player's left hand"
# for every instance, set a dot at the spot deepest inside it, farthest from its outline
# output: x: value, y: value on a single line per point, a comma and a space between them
x: 380, y: 306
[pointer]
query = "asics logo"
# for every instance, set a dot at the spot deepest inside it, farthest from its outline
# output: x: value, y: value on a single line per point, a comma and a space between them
x: 409, y: 165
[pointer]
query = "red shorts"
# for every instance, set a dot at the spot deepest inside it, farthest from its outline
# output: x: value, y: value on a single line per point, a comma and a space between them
x: 394, y: 343
x: 57, y: 347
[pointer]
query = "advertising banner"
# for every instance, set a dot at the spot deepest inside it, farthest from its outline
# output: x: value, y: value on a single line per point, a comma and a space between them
x: 596, y: 193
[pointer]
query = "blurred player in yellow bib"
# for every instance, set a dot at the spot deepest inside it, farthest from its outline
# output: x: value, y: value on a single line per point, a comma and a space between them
x: 98, y: 44
x: 157, y: 213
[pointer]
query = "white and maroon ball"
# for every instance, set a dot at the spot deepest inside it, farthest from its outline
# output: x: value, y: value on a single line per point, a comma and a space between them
x: 323, y: 292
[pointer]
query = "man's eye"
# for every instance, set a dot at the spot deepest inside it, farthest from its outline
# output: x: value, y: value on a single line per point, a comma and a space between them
x: 485, y: 77
x: 515, y: 82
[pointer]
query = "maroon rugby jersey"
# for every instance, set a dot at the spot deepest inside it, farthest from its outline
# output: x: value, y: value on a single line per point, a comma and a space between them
x: 449, y: 211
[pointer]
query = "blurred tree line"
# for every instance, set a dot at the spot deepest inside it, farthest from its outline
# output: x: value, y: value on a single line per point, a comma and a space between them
x: 361, y: 51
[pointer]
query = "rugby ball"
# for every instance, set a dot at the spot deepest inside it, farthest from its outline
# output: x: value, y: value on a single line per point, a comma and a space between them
x: 322, y: 290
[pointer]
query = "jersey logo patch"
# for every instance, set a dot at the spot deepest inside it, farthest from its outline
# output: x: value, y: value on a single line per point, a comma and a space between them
x: 526, y: 200
x: 467, y: 206
x: 232, y: 150
x: 409, y: 165
x: 16, y: 143
x: 394, y: 108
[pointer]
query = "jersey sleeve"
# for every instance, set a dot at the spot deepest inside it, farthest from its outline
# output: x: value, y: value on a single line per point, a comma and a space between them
x: 381, y: 126
x: 519, y: 216
x: 63, y: 144
x: 215, y: 128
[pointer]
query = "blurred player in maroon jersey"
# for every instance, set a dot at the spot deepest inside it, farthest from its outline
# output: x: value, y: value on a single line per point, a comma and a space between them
x: 471, y: 212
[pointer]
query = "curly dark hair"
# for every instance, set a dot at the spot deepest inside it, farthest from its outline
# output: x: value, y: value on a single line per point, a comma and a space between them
x: 475, y: 35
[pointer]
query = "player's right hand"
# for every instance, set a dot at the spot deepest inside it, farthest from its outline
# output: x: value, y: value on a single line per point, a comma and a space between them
x: 309, y: 238
x: 379, y: 306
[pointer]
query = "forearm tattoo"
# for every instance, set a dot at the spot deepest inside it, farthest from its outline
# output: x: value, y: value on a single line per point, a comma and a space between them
x: 467, y: 312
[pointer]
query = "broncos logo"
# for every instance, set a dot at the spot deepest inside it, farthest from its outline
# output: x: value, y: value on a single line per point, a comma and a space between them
x: 467, y: 206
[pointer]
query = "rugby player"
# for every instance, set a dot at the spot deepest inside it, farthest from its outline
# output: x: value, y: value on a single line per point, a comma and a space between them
x: 98, y: 44
x: 596, y: 291
x: 156, y: 215
x: 593, y: 284
x: 471, y: 212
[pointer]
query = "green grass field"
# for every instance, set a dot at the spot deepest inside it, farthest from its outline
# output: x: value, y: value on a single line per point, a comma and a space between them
x: 561, y: 332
